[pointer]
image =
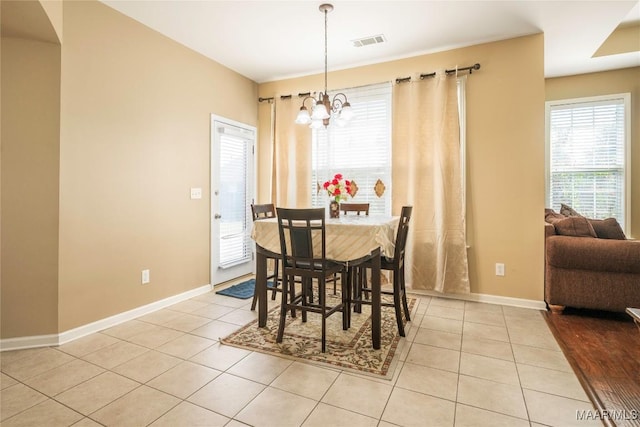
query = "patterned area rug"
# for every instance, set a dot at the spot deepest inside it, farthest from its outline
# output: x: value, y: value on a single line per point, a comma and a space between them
x: 349, y: 350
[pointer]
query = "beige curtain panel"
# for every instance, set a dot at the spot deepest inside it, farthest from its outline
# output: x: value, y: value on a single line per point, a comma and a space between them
x: 427, y: 174
x: 291, y: 185
x: 265, y: 150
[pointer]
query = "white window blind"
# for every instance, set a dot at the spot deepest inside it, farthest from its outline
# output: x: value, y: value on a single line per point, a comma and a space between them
x: 360, y: 151
x: 587, y: 156
x: 235, y: 197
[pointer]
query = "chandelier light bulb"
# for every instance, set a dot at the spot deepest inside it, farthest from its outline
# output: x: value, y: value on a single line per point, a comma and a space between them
x: 320, y: 111
x: 347, y: 112
x: 303, y: 117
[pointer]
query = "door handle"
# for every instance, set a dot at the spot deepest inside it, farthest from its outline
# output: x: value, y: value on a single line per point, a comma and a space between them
x: 217, y: 216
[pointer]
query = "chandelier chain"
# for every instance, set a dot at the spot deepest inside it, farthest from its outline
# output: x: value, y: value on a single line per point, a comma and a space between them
x: 325, y: 51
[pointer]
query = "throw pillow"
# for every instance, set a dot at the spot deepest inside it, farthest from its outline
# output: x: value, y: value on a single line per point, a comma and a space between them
x: 552, y: 217
x: 607, y: 229
x: 567, y: 210
x: 576, y: 226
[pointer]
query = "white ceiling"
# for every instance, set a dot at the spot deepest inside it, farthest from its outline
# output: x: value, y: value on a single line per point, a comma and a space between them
x: 270, y: 40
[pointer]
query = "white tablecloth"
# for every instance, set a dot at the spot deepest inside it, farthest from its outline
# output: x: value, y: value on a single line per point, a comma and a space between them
x: 349, y: 237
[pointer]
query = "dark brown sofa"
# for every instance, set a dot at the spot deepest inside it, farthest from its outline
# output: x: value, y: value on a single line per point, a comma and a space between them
x: 590, y: 272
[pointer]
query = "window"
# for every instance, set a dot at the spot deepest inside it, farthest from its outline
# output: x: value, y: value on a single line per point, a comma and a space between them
x: 360, y: 151
x: 587, y: 155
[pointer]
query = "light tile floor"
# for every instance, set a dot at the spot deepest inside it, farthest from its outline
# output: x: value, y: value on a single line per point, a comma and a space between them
x: 464, y: 364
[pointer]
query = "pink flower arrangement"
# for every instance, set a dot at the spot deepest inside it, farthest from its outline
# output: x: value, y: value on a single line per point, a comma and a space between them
x: 338, y: 188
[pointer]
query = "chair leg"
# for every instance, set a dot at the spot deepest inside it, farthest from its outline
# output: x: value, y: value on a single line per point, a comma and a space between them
x: 307, y: 289
x: 396, y: 302
x: 275, y: 278
x: 358, y: 283
x: 365, y: 285
x: 292, y: 292
x: 309, y: 286
x: 345, y: 286
x: 283, y: 310
x: 323, y: 308
x: 405, y: 304
x: 255, y: 299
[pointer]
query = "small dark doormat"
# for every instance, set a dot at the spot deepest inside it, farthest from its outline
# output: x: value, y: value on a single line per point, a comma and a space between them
x: 242, y: 290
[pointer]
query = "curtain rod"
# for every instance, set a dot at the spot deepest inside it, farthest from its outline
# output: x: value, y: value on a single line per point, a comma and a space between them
x: 305, y: 94
x: 447, y: 72
x: 300, y: 95
x: 470, y: 68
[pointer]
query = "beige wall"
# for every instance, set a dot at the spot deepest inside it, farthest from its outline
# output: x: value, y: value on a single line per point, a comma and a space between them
x: 53, y: 10
x: 134, y: 138
x: 505, y: 143
x: 134, y: 135
x: 30, y: 158
x: 611, y: 82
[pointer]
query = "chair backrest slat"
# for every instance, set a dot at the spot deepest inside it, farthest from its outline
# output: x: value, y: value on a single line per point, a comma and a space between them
x: 403, y: 232
x: 267, y: 210
x: 300, y: 230
x: 355, y: 207
x: 301, y: 242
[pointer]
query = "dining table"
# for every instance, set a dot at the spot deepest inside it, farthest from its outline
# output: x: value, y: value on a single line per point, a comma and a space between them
x: 349, y: 240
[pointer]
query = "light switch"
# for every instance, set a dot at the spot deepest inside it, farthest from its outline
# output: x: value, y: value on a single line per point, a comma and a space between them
x: 196, y: 193
x: 145, y: 277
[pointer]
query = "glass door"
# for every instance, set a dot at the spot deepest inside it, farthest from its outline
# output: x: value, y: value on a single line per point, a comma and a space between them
x: 232, y: 189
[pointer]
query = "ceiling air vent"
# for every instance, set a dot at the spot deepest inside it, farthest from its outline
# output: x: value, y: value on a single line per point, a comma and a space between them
x: 366, y: 41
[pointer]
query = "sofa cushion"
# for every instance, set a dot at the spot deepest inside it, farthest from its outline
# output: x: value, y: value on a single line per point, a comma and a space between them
x: 567, y: 210
x: 549, y: 230
x: 606, y: 255
x: 576, y: 226
x: 607, y: 229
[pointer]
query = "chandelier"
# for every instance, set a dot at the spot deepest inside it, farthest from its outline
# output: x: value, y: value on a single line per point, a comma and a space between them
x: 338, y: 108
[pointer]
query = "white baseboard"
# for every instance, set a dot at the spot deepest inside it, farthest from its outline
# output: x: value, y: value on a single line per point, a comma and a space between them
x: 485, y: 298
x: 97, y: 326
x: 33, y: 341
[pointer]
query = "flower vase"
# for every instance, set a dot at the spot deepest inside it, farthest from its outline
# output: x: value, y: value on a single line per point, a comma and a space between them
x: 334, y: 209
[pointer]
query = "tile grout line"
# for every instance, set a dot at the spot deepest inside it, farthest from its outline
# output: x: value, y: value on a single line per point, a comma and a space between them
x: 181, y: 359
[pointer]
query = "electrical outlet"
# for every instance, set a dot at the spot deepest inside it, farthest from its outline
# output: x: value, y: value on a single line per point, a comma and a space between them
x: 146, y: 278
x: 499, y: 269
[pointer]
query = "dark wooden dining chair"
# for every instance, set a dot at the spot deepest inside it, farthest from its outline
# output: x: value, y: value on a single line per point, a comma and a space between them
x: 355, y: 207
x: 396, y: 265
x: 267, y: 210
x: 300, y: 231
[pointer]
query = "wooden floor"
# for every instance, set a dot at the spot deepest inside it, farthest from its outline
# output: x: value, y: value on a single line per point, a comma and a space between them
x: 604, y: 350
